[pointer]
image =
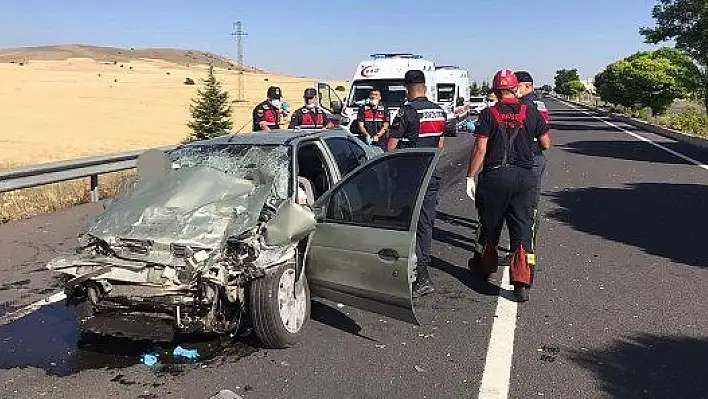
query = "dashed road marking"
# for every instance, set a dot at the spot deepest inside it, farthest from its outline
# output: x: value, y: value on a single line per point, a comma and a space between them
x: 500, y: 352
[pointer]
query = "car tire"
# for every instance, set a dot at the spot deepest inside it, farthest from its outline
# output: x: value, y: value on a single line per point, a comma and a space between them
x: 279, y: 316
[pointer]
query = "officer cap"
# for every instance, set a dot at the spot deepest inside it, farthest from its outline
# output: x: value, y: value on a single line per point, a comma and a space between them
x: 310, y: 93
x: 413, y: 77
x: 274, y: 92
x: 523, y: 77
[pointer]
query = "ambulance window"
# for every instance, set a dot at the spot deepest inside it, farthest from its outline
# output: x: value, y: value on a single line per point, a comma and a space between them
x: 446, y: 92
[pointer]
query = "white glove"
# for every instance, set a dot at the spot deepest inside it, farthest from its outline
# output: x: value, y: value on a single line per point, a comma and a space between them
x: 471, y: 188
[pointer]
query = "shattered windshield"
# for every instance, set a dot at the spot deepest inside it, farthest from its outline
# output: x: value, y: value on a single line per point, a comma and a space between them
x: 211, y: 192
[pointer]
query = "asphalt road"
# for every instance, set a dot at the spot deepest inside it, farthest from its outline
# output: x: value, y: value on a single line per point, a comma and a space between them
x: 618, y: 308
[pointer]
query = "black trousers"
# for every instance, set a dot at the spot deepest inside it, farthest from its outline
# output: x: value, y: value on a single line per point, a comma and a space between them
x: 426, y: 222
x: 507, y: 194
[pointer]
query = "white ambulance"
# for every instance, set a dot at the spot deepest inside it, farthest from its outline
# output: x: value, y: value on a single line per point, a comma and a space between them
x: 386, y: 73
x: 453, y: 88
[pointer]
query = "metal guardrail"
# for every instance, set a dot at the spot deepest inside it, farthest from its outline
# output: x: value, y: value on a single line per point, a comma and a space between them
x: 55, y: 172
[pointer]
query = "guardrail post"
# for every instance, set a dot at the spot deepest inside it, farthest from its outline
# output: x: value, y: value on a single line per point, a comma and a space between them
x: 95, y: 195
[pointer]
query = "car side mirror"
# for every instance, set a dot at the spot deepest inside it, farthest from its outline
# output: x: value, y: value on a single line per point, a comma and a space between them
x: 320, y: 212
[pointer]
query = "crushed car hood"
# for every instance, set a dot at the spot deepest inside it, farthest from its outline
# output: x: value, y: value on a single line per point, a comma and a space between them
x: 206, y: 198
x: 194, y: 206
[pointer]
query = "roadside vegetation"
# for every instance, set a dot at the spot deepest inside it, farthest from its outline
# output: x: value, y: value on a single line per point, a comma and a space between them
x: 668, y: 86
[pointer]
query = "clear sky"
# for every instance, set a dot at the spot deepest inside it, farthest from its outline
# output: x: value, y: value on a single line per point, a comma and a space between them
x: 327, y: 38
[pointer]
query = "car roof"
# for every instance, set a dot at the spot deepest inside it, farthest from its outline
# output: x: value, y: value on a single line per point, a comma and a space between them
x: 276, y: 137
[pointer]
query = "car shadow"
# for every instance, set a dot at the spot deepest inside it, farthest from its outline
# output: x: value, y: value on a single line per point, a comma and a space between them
x: 332, y: 317
x: 649, y: 366
x: 454, y: 239
x: 465, y: 276
x: 666, y: 220
x: 456, y: 220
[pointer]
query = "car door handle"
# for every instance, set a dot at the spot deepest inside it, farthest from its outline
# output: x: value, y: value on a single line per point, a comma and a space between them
x: 389, y: 255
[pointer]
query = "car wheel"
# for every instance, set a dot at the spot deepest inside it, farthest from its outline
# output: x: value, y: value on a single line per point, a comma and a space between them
x: 280, y: 306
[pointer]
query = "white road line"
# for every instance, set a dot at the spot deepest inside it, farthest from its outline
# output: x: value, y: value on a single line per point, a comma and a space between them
x: 638, y: 137
x: 20, y: 313
x: 497, y: 367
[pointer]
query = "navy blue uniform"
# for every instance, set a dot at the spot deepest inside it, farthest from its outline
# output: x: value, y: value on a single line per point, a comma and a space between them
x: 420, y: 124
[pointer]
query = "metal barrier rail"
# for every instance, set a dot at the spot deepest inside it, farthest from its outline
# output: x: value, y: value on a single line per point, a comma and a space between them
x: 55, y: 172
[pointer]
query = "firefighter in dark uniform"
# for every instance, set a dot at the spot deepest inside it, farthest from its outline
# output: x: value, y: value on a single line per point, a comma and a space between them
x: 266, y: 115
x: 420, y: 123
x: 504, y: 149
x: 373, y: 120
x: 311, y: 115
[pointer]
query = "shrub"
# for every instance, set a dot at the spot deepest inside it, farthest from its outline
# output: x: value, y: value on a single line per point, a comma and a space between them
x: 689, y: 121
x: 189, y: 82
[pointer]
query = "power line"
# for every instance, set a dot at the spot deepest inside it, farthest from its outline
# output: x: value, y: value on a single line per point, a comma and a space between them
x: 239, y: 33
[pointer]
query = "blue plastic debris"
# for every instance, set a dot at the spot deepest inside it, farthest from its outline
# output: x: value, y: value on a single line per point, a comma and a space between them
x: 188, y: 353
x: 149, y: 359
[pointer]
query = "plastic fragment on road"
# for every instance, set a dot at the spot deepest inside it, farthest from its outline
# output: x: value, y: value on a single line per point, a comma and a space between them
x: 149, y: 359
x: 419, y: 369
x: 226, y: 394
x: 188, y: 353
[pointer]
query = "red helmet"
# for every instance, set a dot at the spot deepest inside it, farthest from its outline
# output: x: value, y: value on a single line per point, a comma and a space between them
x: 505, y: 80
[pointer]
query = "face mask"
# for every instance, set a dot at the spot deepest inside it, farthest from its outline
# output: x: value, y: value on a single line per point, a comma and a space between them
x: 491, y: 103
x: 276, y: 103
x: 374, y: 102
x: 311, y: 105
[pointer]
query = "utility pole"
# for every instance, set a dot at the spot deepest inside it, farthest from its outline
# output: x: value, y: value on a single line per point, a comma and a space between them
x: 239, y: 33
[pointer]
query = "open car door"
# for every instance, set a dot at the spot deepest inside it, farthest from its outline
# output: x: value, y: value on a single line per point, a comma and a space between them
x: 363, y: 250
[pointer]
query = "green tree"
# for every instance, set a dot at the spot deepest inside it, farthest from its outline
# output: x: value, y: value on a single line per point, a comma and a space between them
x: 485, y: 87
x: 686, y: 22
x: 474, y: 89
x: 572, y: 88
x: 564, y: 76
x: 651, y: 79
x: 211, y: 110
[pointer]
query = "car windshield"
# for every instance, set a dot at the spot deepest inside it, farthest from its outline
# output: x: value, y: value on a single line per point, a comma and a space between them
x: 476, y: 99
x: 393, y: 92
x: 446, y: 92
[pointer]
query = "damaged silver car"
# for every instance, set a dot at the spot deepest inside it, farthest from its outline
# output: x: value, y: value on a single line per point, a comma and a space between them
x: 242, y: 229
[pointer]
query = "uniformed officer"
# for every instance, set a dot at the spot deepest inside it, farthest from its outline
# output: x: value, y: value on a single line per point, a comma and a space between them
x: 504, y: 147
x: 373, y: 120
x: 266, y: 115
x: 420, y: 123
x: 527, y: 94
x: 311, y: 115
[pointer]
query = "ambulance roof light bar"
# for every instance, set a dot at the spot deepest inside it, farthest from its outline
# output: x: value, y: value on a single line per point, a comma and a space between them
x: 396, y: 55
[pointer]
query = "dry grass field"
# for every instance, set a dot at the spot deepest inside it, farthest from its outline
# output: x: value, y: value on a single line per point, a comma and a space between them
x: 57, y: 108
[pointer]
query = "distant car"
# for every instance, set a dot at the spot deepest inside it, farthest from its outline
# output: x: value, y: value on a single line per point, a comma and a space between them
x: 239, y: 229
x: 477, y: 104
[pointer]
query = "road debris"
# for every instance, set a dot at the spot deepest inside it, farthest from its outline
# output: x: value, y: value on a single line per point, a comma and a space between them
x: 149, y: 359
x: 226, y: 394
x: 188, y: 353
x: 419, y: 369
x: 380, y: 346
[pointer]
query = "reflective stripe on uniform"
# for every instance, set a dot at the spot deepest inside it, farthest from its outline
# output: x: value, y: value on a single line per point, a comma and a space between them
x: 432, y: 122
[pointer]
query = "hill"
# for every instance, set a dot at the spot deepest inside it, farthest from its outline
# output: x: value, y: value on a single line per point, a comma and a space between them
x: 117, y: 54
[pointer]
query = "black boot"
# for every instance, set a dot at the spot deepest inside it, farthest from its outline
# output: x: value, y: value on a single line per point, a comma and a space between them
x: 521, y: 291
x: 422, y: 285
x: 474, y: 266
